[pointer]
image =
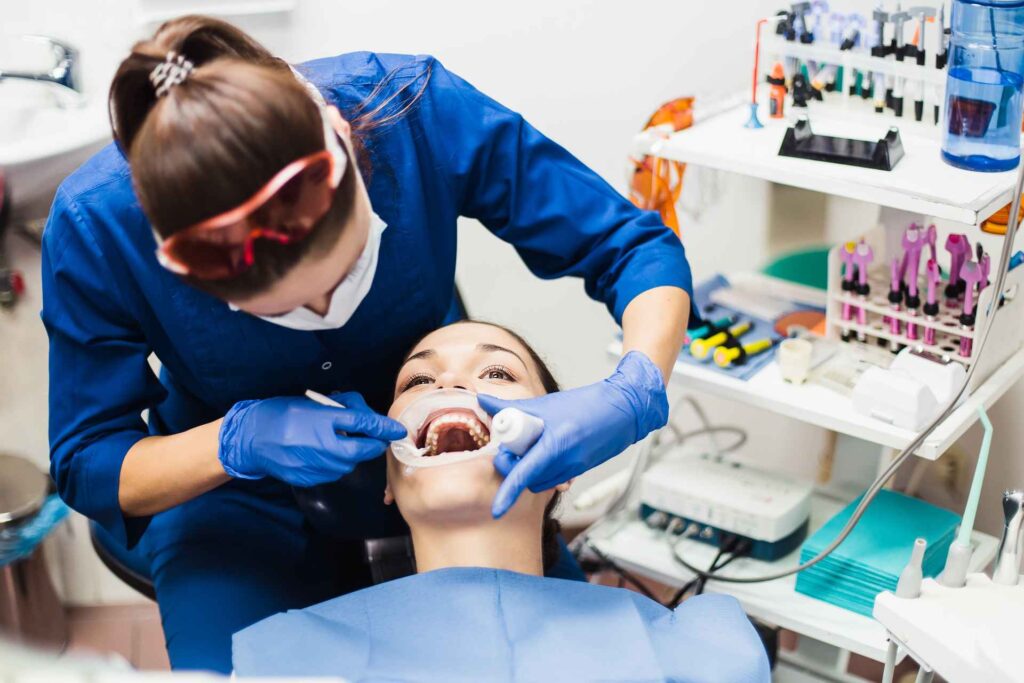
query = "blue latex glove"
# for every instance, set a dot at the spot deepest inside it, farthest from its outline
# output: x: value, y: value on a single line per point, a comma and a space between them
x: 582, y: 427
x: 301, y: 442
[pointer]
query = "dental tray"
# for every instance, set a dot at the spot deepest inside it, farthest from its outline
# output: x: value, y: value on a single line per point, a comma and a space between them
x: 703, y: 296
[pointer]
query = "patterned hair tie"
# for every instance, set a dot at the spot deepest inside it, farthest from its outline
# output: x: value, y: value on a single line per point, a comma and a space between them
x: 175, y: 69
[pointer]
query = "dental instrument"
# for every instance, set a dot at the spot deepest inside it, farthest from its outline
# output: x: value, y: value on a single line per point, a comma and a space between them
x: 898, y: 19
x: 971, y: 275
x: 909, y: 584
x: 895, y: 300
x: 727, y: 356
x: 908, y: 588
x: 931, y: 238
x: 880, y: 50
x: 702, y: 349
x: 799, y: 11
x: 931, y: 305
x: 958, y: 247
x: 1007, y: 567
x: 913, y: 243
x: 862, y: 257
x: 954, y: 574
x: 849, y: 271
x: 923, y: 14
x: 708, y: 328
x: 985, y: 263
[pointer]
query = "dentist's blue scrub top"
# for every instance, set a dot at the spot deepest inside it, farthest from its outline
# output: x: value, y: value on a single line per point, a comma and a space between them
x: 107, y: 303
x: 473, y: 624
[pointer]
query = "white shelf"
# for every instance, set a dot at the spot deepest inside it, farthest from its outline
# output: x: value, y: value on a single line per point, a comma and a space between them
x: 817, y: 405
x: 920, y: 183
x: 646, y: 552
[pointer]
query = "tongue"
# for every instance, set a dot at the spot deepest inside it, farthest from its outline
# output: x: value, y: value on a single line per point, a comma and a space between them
x: 454, y: 439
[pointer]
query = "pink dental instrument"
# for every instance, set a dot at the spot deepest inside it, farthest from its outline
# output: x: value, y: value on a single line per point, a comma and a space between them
x: 931, y: 305
x: 958, y: 247
x: 931, y: 237
x: 862, y: 256
x: 913, y: 243
x: 971, y: 274
x: 985, y: 263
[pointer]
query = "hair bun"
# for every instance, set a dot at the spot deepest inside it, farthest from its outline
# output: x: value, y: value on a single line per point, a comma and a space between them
x: 155, y: 66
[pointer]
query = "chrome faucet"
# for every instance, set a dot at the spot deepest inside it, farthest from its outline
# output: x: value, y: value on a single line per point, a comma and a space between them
x: 63, y: 75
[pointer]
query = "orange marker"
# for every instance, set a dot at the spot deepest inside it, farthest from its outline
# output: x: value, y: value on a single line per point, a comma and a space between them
x: 777, y: 93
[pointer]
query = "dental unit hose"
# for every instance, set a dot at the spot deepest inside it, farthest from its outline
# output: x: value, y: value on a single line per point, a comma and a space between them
x: 872, y: 490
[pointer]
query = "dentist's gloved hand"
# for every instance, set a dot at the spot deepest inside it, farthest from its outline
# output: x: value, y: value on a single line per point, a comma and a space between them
x: 582, y: 427
x: 301, y: 442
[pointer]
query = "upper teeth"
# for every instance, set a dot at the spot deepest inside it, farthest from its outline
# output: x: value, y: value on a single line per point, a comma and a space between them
x: 471, y: 424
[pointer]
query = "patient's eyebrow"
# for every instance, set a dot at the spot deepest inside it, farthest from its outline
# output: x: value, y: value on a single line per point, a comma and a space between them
x: 495, y: 347
x: 425, y: 353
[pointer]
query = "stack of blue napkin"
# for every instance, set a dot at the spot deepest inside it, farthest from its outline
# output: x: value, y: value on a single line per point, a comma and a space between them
x: 871, y: 558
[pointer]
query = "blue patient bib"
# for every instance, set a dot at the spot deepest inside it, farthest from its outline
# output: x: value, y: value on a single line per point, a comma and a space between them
x: 469, y: 624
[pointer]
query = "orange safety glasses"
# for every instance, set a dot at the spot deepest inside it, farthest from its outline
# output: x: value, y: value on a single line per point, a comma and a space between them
x: 284, y: 210
x: 657, y: 183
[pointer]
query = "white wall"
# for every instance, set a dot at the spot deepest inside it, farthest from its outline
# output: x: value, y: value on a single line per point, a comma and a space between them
x: 588, y: 74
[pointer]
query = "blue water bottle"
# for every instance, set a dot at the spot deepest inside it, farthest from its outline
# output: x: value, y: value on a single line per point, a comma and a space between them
x: 982, y: 122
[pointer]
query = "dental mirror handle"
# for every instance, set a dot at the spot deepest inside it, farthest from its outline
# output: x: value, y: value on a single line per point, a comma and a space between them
x: 321, y: 399
x: 1007, y: 567
x: 515, y: 430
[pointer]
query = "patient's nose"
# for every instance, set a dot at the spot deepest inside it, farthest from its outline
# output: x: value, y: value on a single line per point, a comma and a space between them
x: 451, y: 380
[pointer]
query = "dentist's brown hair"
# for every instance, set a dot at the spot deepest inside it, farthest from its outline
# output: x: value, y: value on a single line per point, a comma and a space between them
x: 214, y: 139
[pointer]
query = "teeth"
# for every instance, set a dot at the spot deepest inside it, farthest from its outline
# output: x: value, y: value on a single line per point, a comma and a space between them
x: 470, y: 424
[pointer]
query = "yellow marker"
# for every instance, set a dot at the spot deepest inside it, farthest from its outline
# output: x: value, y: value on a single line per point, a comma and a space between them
x: 724, y: 356
x: 701, y: 349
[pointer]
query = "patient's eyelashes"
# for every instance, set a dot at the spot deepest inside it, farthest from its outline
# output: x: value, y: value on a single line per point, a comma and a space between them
x: 492, y: 373
x: 416, y: 380
x: 498, y: 372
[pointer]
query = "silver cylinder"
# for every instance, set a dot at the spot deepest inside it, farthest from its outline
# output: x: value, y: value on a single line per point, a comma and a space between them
x: 1007, y: 568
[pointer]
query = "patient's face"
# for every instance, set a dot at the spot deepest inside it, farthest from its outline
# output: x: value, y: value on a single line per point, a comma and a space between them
x: 482, y: 359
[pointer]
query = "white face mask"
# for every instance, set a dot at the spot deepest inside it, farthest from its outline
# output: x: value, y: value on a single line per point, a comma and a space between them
x: 346, y: 296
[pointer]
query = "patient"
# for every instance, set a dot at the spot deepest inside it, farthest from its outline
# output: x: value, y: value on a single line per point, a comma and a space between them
x: 479, y: 608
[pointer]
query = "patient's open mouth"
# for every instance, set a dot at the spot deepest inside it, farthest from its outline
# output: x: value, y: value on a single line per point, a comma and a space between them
x: 451, y: 430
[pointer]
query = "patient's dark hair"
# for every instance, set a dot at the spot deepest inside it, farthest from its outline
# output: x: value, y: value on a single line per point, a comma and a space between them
x: 549, y: 533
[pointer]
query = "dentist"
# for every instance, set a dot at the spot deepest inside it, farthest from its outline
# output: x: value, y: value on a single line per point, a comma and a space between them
x: 261, y: 229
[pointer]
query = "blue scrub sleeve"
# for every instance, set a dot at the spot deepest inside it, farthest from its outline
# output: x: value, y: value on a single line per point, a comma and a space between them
x: 100, y: 379
x: 561, y: 217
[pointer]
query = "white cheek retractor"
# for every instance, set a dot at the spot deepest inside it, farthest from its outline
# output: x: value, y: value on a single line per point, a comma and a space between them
x: 510, y: 427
